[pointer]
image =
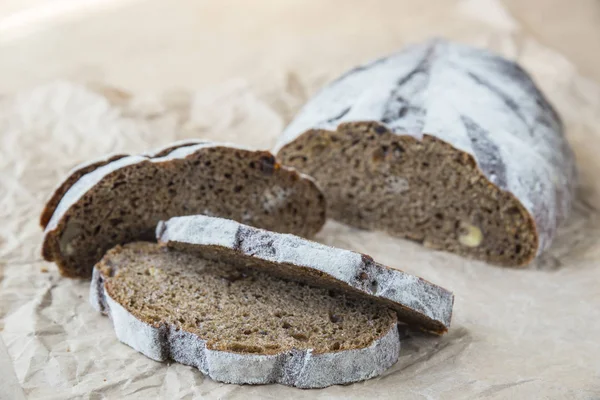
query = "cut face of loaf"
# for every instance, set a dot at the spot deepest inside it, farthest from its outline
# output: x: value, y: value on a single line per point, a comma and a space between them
x: 416, y: 301
x: 239, y: 325
x: 121, y: 199
x: 444, y: 144
x: 85, y: 168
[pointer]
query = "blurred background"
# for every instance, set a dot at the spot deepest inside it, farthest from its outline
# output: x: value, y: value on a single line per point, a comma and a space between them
x: 155, y: 71
x: 142, y: 45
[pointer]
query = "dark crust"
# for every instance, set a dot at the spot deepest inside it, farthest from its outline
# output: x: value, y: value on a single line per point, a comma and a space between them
x: 382, y: 129
x: 165, y: 151
x: 51, y: 247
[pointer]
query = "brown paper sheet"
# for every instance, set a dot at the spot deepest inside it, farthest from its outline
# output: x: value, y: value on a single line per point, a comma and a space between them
x: 523, y: 334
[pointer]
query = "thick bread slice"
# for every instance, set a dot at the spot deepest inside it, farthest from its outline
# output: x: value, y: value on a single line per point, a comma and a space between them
x: 239, y: 325
x: 416, y: 300
x: 442, y: 143
x: 122, y: 200
x: 89, y: 166
x: 73, y: 176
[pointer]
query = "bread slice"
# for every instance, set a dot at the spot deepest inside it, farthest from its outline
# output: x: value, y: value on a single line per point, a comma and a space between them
x: 85, y: 168
x: 441, y: 143
x: 121, y: 199
x: 416, y: 300
x: 240, y: 325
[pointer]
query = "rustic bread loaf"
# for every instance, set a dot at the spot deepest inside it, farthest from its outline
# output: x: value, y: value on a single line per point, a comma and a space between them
x: 415, y: 300
x: 240, y: 325
x: 442, y: 143
x: 112, y: 202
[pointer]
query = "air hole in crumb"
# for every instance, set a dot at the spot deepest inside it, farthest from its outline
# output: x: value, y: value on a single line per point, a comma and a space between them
x: 374, y: 285
x: 398, y: 149
x: 425, y: 164
x: 243, y: 348
x: 228, y: 176
x: 247, y: 332
x: 207, y: 163
x: 285, y: 325
x: 335, y: 318
x: 512, y: 211
x: 294, y: 158
x: 335, y: 346
x: 237, y: 189
x: 518, y: 248
x: 299, y: 336
x: 439, y: 215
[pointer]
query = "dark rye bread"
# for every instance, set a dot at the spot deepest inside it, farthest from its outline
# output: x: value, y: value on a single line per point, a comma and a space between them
x: 72, y: 177
x: 444, y: 144
x: 417, y: 301
x: 122, y: 200
x: 89, y: 166
x: 240, y: 325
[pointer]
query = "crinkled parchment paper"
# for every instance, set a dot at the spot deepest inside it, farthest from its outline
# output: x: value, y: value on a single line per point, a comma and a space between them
x: 523, y: 334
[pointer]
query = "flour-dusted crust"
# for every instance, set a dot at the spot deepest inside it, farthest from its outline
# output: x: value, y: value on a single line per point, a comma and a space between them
x: 86, y: 177
x: 72, y: 177
x: 86, y: 167
x: 477, y: 102
x: 299, y: 368
x: 416, y: 300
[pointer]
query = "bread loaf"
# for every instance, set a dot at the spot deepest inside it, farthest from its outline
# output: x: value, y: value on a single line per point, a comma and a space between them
x: 240, y: 325
x: 416, y: 301
x: 121, y: 199
x: 441, y: 143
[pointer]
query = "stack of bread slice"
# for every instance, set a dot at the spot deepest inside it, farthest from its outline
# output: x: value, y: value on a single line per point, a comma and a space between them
x: 240, y: 303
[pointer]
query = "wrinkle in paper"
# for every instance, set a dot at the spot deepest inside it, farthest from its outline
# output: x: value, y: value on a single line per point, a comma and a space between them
x: 515, y: 334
